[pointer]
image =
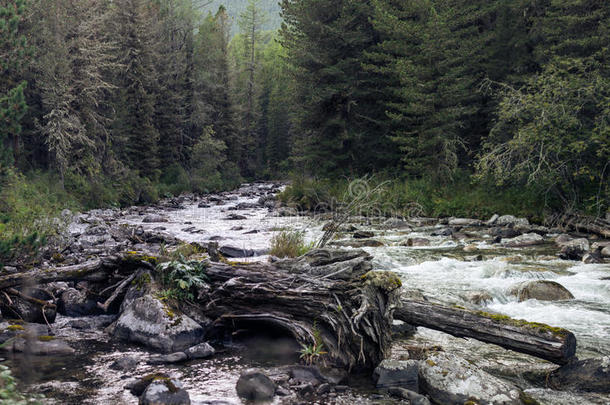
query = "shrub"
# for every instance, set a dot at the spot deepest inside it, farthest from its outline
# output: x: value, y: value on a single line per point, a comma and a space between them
x: 183, y: 277
x: 289, y: 244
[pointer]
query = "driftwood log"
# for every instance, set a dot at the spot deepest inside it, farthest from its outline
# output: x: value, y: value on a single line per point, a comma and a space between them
x: 327, y: 295
x: 553, y: 344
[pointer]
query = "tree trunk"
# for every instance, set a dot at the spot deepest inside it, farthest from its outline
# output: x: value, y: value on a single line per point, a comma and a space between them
x: 553, y: 344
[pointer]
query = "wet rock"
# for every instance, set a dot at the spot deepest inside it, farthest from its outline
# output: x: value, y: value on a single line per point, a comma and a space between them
x: 168, y: 391
x: 527, y: 239
x: 464, y: 222
x: 560, y: 240
x: 245, y: 206
x: 592, y: 258
x: 282, y: 392
x: 491, y: 221
x: 73, y: 302
x: 545, y: 396
x: 470, y: 248
x: 478, y: 297
x: 151, y: 323
x: 574, y: 249
x: 235, y: 217
x: 39, y: 346
x: 200, y: 351
x: 543, y: 290
x: 590, y: 375
x: 605, y: 252
x: 27, y: 311
x: 358, y: 243
x: 306, y: 375
x: 177, y: 357
x: 511, y: 220
x: 25, y: 330
x: 504, y: 232
x: 323, y: 389
x: 396, y: 373
x: 442, y: 232
x: 413, y: 294
x: 413, y: 397
x: 154, y: 218
x: 448, y: 379
x: 395, y: 223
x: 402, y: 330
x: 363, y: 234
x: 125, y: 363
x: 256, y: 386
x: 203, y: 204
x: 235, y: 252
x: 416, y: 242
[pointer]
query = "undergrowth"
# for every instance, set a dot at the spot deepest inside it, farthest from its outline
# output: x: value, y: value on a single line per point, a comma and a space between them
x: 289, y: 244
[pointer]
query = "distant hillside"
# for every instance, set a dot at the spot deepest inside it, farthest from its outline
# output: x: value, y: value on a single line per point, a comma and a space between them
x: 236, y: 7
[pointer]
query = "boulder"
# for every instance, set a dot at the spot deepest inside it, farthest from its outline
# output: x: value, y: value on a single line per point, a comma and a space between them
x: 152, y: 323
x: 358, y: 243
x: 413, y: 397
x: 73, y: 302
x: 416, y: 242
x: 605, y: 252
x: 39, y: 346
x: 527, y: 239
x: 306, y: 375
x: 235, y: 252
x: 574, y: 249
x: 505, y: 233
x: 126, y: 363
x: 448, y: 379
x: 442, y: 232
x: 478, y: 297
x: 363, y: 234
x: 235, y: 217
x: 395, y: 223
x: 402, y: 330
x: 590, y: 375
x: 172, y: 358
x: 511, y: 220
x: 200, y: 351
x: 255, y: 386
x: 592, y: 257
x: 543, y: 290
x: 491, y: 221
x: 165, y: 391
x: 154, y: 218
x: 396, y: 373
x: 464, y: 222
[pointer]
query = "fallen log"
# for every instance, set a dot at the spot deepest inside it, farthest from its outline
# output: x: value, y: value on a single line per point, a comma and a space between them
x: 556, y: 345
x: 327, y: 297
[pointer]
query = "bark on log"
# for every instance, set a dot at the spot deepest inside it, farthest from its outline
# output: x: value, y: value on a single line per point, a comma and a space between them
x: 327, y: 293
x: 553, y: 344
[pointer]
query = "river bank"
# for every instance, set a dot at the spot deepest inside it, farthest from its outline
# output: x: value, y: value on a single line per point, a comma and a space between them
x: 449, y: 262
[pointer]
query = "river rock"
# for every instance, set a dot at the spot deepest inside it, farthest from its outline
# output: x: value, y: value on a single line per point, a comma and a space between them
x: 28, y: 311
x: 39, y: 346
x: 151, y: 323
x: 448, y: 379
x: 235, y: 217
x: 402, y: 330
x: 527, y: 239
x: 396, y: 223
x: 511, y: 220
x: 605, y: 252
x: 543, y: 290
x: 464, y: 222
x: 590, y: 375
x: 592, y: 257
x: 574, y: 249
x: 413, y: 397
x: 73, y: 302
x: 168, y: 391
x: 125, y: 363
x: 416, y: 242
x: 255, y: 386
x: 502, y: 232
x: 358, y: 243
x: 395, y: 373
x: 200, y: 351
x: 306, y: 375
x: 491, y: 221
x: 235, y: 252
x: 171, y: 358
x: 478, y: 297
x: 154, y: 218
x: 363, y: 234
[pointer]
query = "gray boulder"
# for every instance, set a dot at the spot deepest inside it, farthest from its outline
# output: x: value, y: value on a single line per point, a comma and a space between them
x: 511, y: 220
x: 464, y: 222
x: 363, y: 234
x: 255, y: 386
x: 590, y: 375
x: 151, y: 323
x: 413, y: 397
x: 235, y: 252
x: 172, y: 358
x: 200, y: 351
x: 527, y: 239
x: 448, y: 379
x: 416, y: 242
x: 154, y: 218
x: 125, y: 363
x: 574, y: 249
x: 167, y: 391
x: 73, y: 302
x: 395, y: 373
x: 542, y: 290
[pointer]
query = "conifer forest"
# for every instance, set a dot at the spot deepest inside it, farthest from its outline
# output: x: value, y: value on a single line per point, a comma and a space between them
x: 170, y: 165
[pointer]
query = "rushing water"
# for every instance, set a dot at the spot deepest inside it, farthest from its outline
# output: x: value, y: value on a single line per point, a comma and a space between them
x: 442, y: 271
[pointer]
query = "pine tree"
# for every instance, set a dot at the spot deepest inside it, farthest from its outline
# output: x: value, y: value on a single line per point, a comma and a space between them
x: 13, y: 56
x: 137, y: 136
